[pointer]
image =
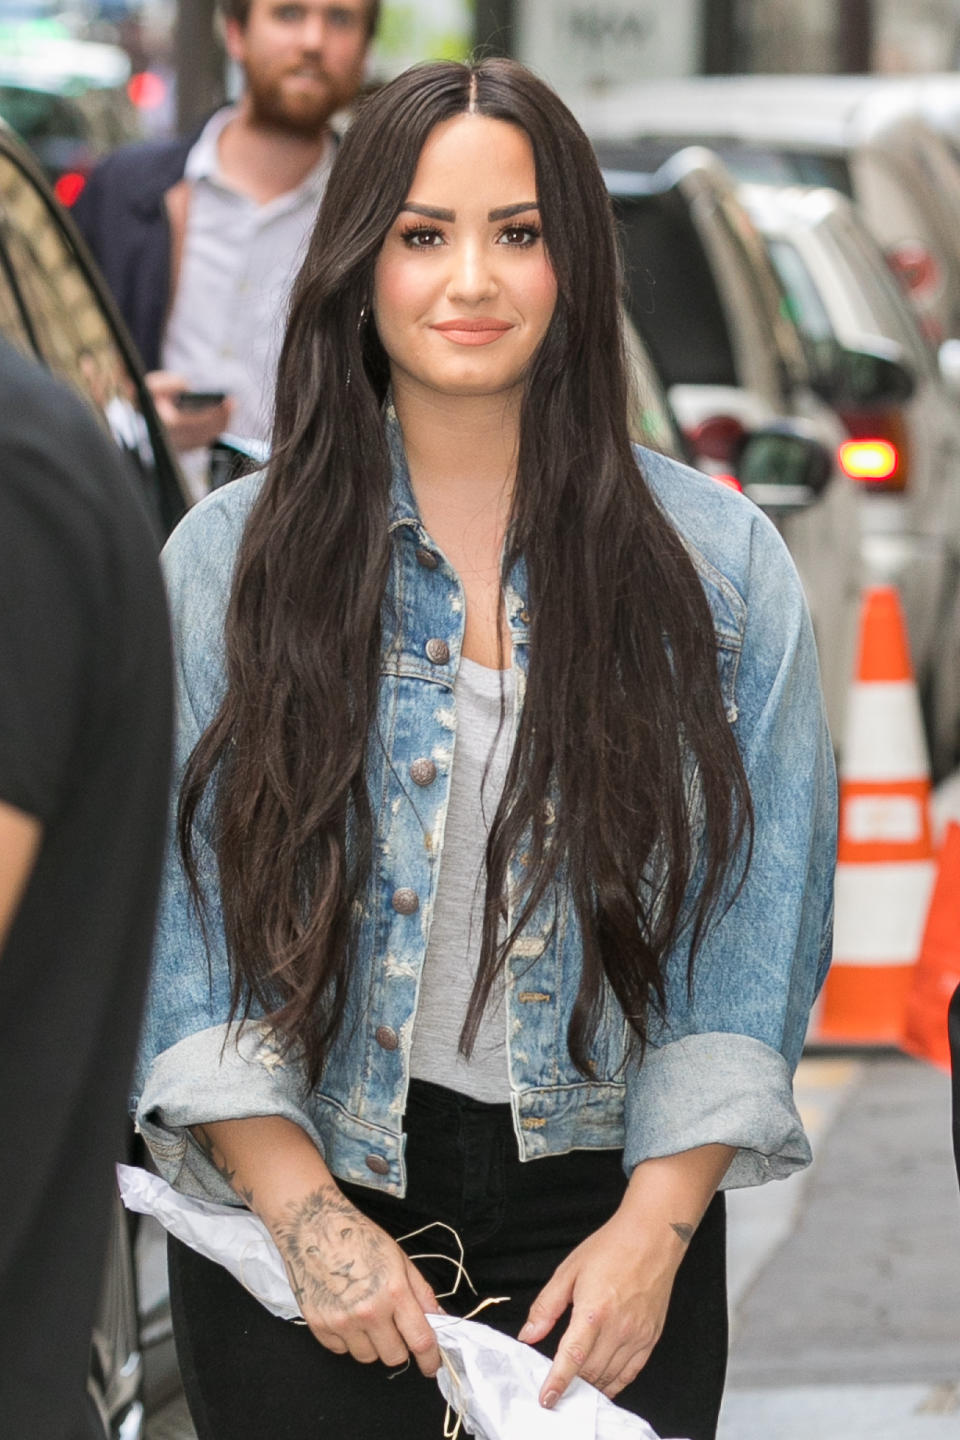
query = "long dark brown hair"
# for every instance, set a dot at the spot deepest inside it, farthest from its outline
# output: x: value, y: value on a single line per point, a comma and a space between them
x: 623, y: 719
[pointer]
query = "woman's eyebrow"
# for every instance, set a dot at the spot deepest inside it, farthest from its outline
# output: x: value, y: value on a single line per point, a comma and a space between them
x: 432, y: 212
x: 429, y: 211
x: 506, y: 212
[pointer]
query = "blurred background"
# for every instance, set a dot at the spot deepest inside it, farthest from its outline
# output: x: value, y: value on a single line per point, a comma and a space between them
x: 78, y: 76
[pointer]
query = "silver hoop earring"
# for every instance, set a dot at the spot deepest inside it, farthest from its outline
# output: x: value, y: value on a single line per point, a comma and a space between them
x: 364, y: 314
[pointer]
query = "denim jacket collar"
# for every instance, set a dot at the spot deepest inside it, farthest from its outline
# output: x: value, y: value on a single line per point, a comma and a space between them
x: 403, y: 507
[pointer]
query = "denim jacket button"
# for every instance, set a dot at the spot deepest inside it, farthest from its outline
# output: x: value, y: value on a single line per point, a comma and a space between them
x: 405, y: 902
x: 426, y: 558
x: 377, y: 1164
x: 438, y: 652
x: 423, y: 772
x: 387, y: 1038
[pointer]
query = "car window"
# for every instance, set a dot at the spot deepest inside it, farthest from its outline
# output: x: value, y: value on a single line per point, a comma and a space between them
x: 38, y: 116
x: 669, y: 277
x: 52, y: 309
x: 807, y: 308
x: 757, y: 164
x: 764, y: 166
x: 871, y: 287
x: 770, y: 357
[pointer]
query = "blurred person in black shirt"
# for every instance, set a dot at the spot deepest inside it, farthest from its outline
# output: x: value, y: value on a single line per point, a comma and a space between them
x: 85, y: 717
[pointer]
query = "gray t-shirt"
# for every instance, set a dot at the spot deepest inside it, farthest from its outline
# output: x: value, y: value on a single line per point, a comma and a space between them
x: 450, y: 965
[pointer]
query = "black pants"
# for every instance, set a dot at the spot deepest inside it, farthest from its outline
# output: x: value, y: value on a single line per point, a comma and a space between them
x: 250, y: 1376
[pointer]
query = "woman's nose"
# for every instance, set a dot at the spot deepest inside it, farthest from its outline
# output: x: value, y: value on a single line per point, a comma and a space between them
x: 472, y: 276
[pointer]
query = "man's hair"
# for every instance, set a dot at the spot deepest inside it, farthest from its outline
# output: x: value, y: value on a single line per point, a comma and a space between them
x: 239, y: 10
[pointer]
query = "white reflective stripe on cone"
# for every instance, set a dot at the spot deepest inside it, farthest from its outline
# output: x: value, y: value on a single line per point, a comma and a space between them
x: 883, y: 737
x: 884, y: 819
x: 880, y: 912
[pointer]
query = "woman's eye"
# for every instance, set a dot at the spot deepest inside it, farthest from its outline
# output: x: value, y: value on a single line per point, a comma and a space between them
x: 520, y: 235
x: 422, y: 238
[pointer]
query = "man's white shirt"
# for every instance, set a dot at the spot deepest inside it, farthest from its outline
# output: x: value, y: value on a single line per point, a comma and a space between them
x: 239, y: 262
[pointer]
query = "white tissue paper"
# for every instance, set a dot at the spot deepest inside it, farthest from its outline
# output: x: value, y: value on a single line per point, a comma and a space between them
x: 490, y: 1380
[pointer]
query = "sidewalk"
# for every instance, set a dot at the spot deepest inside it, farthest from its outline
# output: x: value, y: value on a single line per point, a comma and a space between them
x: 846, y: 1309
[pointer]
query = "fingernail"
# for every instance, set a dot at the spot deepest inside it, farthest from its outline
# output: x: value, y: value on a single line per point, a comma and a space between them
x: 526, y: 1332
x: 550, y: 1399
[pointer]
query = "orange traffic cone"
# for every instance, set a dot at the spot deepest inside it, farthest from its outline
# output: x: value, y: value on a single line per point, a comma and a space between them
x: 937, y: 974
x: 885, y: 868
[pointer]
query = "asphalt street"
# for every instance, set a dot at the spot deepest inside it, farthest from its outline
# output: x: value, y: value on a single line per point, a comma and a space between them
x: 844, y: 1281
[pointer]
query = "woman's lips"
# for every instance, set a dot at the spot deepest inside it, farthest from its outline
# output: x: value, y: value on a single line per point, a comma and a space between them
x: 473, y: 332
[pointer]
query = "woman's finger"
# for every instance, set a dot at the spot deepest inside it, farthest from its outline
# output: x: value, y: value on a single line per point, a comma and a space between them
x: 621, y: 1366
x: 549, y: 1305
x: 328, y: 1339
x: 627, y: 1374
x: 575, y: 1353
x: 423, y: 1291
x: 418, y: 1336
x: 388, y: 1343
x: 362, y: 1348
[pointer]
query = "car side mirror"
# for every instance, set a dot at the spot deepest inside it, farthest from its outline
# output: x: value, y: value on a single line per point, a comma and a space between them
x: 868, y: 379
x: 781, y: 468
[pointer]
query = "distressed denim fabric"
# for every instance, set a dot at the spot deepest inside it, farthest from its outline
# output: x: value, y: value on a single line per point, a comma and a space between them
x: 719, y: 1066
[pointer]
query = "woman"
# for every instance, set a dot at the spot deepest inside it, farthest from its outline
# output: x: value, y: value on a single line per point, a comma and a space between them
x: 506, y: 826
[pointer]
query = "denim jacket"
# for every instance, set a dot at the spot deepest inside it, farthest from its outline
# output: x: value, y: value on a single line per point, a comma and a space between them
x: 719, y: 1065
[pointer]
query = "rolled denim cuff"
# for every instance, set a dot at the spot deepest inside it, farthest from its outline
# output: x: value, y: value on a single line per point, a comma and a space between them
x: 716, y: 1089
x: 223, y: 1073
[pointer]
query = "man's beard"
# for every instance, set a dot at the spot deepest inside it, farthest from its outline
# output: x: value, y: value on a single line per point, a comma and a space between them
x: 271, y: 106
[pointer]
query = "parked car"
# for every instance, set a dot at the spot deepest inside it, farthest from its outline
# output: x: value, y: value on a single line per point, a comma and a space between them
x: 904, y: 421
x: 68, y: 100
x: 705, y: 298
x: 55, y: 307
x: 847, y: 132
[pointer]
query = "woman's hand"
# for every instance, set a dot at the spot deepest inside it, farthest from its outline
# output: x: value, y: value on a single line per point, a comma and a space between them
x: 618, y: 1281
x: 356, y: 1289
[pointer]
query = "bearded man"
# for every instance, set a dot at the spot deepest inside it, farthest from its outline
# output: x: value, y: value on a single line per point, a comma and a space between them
x: 200, y: 239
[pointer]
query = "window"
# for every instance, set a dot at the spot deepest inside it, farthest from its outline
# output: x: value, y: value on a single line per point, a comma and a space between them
x: 671, y: 292
x: 807, y: 309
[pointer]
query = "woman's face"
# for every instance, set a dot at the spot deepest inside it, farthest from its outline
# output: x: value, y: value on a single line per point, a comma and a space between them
x: 463, y: 288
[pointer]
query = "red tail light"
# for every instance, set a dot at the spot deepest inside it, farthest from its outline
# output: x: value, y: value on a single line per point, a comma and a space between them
x: 719, y: 437
x: 870, y: 460
x: 915, y: 267
x: 877, y: 455
x: 67, y: 189
x: 731, y: 481
x: 147, y: 90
